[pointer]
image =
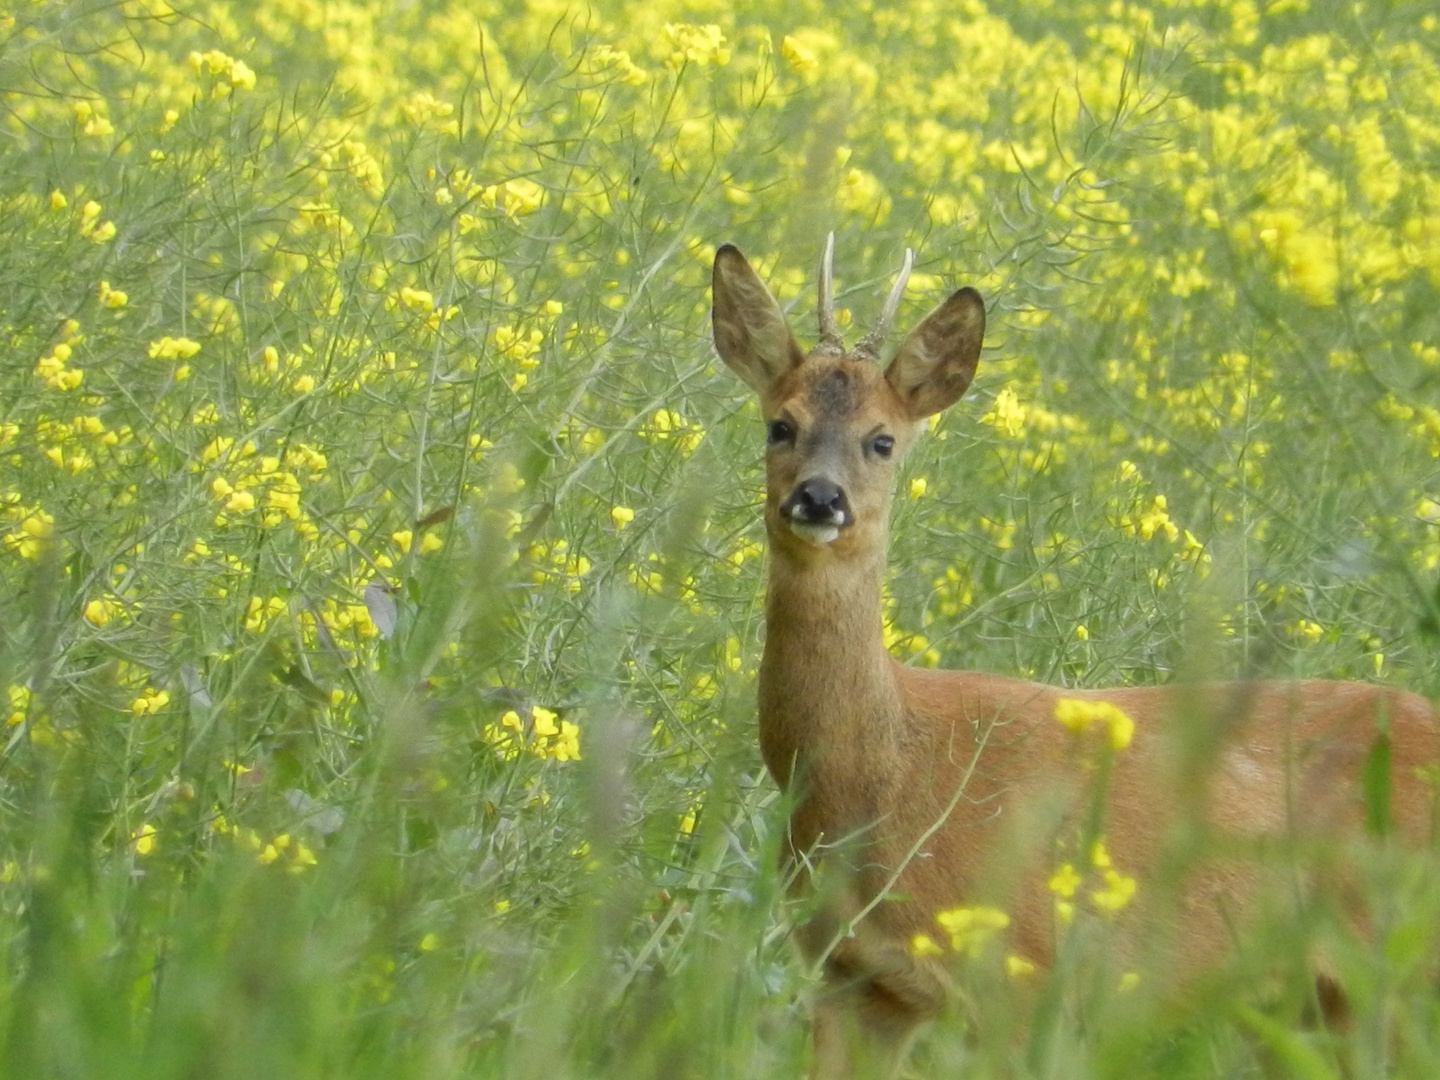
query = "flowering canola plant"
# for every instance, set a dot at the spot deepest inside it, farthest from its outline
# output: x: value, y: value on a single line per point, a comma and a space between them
x: 358, y: 391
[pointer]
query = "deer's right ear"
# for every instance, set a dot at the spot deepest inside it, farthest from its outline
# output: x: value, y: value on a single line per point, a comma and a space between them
x: 751, y: 334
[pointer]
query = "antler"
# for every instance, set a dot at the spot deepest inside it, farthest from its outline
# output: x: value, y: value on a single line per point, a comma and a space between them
x: 830, y: 340
x: 871, y: 342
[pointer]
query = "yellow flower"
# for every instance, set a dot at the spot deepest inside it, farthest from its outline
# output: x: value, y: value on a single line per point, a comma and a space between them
x: 1156, y: 519
x: 971, y: 928
x: 798, y: 56
x: 430, y: 942
x: 236, y: 72
x: 19, y: 697
x: 918, y: 487
x: 1064, y: 881
x: 567, y: 746
x: 143, y: 839
x: 1007, y: 414
x: 1017, y: 967
x: 544, y: 721
x: 697, y: 44
x: 923, y: 945
x: 150, y: 702
x: 1080, y: 715
x: 1118, y: 892
x: 113, y: 298
x: 168, y: 348
x: 1100, y: 856
x: 101, y: 612
x: 622, y: 516
x: 301, y: 858
x: 417, y: 299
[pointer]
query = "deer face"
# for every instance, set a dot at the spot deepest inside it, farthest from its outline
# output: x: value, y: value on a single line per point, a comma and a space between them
x: 836, y: 424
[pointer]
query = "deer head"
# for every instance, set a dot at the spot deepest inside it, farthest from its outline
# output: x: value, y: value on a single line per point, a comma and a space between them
x: 837, y: 424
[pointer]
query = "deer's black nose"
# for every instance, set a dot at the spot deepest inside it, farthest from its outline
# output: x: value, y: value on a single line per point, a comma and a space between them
x: 820, y: 502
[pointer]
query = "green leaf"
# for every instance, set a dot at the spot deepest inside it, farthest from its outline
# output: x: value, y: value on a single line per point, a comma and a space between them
x: 1376, y: 784
x: 1292, y: 1052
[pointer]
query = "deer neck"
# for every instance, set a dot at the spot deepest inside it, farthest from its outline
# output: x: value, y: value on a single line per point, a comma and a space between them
x: 829, y: 702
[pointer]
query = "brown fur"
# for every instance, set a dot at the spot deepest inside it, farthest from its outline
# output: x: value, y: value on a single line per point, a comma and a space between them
x: 914, y: 781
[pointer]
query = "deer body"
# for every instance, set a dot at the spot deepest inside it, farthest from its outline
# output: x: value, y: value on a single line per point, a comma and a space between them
x: 910, y: 785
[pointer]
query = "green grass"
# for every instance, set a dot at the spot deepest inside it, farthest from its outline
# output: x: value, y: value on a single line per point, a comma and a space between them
x: 266, y: 606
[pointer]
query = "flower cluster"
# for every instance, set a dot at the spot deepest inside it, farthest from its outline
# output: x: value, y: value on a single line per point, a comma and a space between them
x: 1082, y: 714
x: 546, y: 736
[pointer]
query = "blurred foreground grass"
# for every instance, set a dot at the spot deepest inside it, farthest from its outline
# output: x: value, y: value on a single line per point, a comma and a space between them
x: 379, y: 543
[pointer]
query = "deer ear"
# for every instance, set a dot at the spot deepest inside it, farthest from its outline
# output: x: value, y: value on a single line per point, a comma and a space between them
x: 751, y: 334
x: 937, y: 361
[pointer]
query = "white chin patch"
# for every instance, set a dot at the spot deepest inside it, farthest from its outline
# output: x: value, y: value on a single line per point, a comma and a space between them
x: 815, y: 534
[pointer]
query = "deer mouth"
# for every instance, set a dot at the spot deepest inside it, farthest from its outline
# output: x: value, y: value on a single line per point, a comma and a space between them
x: 815, y: 532
x: 819, y: 525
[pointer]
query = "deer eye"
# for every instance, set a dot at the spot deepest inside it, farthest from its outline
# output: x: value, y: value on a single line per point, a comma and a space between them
x: 780, y: 431
x: 882, y: 445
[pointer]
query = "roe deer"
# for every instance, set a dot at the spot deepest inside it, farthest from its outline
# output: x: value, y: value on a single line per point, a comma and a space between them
x: 924, y: 772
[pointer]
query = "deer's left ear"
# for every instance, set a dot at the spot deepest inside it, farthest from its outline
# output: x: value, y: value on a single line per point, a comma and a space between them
x: 937, y: 361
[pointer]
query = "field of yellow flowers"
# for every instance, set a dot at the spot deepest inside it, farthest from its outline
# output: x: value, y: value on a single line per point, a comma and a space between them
x: 380, y: 556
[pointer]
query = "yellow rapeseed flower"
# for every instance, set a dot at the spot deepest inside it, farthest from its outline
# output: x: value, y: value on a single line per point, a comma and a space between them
x: 143, y: 839
x: 799, y: 54
x: 1065, y: 881
x: 1079, y: 715
x: 697, y: 44
x: 971, y: 927
x: 101, y: 611
x: 19, y: 704
x: 566, y: 745
x: 1118, y: 892
x: 169, y: 348
x: 150, y: 702
x: 923, y: 945
x: 1017, y: 967
x: 544, y: 722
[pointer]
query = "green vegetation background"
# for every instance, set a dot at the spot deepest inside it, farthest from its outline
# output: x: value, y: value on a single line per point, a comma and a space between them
x: 380, y: 557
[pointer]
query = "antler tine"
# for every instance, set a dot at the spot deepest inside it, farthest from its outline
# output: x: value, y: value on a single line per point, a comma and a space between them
x: 872, y: 341
x: 830, y: 339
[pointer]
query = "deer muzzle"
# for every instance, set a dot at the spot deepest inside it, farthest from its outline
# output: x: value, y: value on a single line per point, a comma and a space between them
x: 817, y: 510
